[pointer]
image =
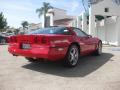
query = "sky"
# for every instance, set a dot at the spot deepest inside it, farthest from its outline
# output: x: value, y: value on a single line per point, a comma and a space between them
x: 17, y: 11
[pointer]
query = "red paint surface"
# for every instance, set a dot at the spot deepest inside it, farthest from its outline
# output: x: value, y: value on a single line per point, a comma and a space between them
x: 50, y: 46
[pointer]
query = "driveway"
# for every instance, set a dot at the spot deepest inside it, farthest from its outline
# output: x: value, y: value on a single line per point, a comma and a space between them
x: 92, y: 73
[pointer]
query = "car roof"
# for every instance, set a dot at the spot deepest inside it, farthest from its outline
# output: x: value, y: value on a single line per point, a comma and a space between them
x: 68, y: 27
x: 61, y: 27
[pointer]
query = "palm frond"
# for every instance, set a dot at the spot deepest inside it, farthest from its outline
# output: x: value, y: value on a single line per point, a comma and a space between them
x: 44, y: 10
x: 40, y: 11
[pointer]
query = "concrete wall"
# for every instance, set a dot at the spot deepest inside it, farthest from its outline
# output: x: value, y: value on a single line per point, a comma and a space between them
x: 101, y: 33
x: 111, y: 32
x: 108, y: 32
x: 118, y: 30
x: 59, y: 14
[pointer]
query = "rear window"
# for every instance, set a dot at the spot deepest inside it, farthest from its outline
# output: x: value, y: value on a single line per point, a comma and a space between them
x: 52, y: 30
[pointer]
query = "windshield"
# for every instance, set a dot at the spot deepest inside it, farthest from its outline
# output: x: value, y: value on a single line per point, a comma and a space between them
x: 52, y: 30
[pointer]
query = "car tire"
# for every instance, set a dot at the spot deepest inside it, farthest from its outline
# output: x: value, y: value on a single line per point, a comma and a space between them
x: 98, y: 49
x: 30, y: 59
x: 72, y: 56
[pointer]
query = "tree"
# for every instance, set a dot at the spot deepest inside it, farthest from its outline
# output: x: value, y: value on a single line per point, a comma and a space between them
x: 3, y: 22
x: 16, y: 31
x: 84, y: 5
x: 117, y: 1
x: 44, y: 10
x: 24, y: 24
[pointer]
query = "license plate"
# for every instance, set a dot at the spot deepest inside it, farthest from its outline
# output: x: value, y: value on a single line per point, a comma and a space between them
x: 25, y: 46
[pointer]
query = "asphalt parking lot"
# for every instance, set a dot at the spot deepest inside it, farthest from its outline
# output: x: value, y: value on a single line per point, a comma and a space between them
x: 92, y: 73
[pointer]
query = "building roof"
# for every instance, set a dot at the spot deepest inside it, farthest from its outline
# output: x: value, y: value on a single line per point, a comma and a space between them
x: 64, y: 21
x: 54, y: 8
x: 59, y: 9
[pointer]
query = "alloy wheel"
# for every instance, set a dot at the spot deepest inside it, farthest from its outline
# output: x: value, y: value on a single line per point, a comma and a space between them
x: 73, y: 56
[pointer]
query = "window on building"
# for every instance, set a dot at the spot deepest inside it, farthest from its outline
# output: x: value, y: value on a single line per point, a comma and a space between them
x: 106, y: 9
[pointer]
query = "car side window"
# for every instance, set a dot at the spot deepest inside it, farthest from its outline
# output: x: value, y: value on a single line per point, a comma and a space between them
x: 67, y: 32
x: 79, y: 32
x: 64, y: 31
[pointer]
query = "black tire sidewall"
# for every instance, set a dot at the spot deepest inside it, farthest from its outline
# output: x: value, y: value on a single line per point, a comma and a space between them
x: 97, y: 49
x: 30, y: 59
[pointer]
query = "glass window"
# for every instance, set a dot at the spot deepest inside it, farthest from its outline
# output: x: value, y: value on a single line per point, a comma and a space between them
x: 80, y: 32
x: 66, y: 32
x: 52, y: 30
x: 106, y: 9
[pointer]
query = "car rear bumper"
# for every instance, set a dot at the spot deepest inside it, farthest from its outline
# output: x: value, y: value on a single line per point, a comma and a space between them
x: 48, y: 53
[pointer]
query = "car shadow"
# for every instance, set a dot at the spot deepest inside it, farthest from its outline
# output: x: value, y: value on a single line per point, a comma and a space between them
x: 86, y: 65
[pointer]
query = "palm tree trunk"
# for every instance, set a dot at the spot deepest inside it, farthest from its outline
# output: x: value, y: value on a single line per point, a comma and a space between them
x: 44, y: 20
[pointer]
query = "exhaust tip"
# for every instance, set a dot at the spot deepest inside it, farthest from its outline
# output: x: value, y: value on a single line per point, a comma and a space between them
x: 15, y: 55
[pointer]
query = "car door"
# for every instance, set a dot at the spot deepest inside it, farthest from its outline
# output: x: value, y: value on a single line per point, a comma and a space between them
x: 84, y: 40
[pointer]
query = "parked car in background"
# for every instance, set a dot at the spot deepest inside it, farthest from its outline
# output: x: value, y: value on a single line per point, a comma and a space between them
x: 55, y: 43
x: 3, y: 39
x: 7, y: 34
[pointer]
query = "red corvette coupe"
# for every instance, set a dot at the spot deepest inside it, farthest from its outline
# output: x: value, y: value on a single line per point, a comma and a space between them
x: 55, y: 43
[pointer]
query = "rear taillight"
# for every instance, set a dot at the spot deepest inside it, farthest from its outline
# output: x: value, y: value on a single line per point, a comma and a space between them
x: 10, y: 40
x: 36, y: 40
x: 13, y: 39
x: 43, y: 40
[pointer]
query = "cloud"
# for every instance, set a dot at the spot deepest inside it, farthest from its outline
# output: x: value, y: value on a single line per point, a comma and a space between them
x: 19, y: 8
x: 75, y: 5
x: 18, y: 11
x: 16, y: 5
x: 51, y: 1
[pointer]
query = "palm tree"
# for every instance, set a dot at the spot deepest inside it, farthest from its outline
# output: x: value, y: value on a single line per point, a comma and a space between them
x: 24, y: 24
x: 117, y: 1
x: 3, y: 22
x: 44, y: 10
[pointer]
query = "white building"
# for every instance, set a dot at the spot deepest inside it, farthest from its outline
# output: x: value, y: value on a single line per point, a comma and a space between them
x: 108, y: 28
x: 30, y: 27
x: 103, y: 22
x: 57, y: 17
x: 34, y: 26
